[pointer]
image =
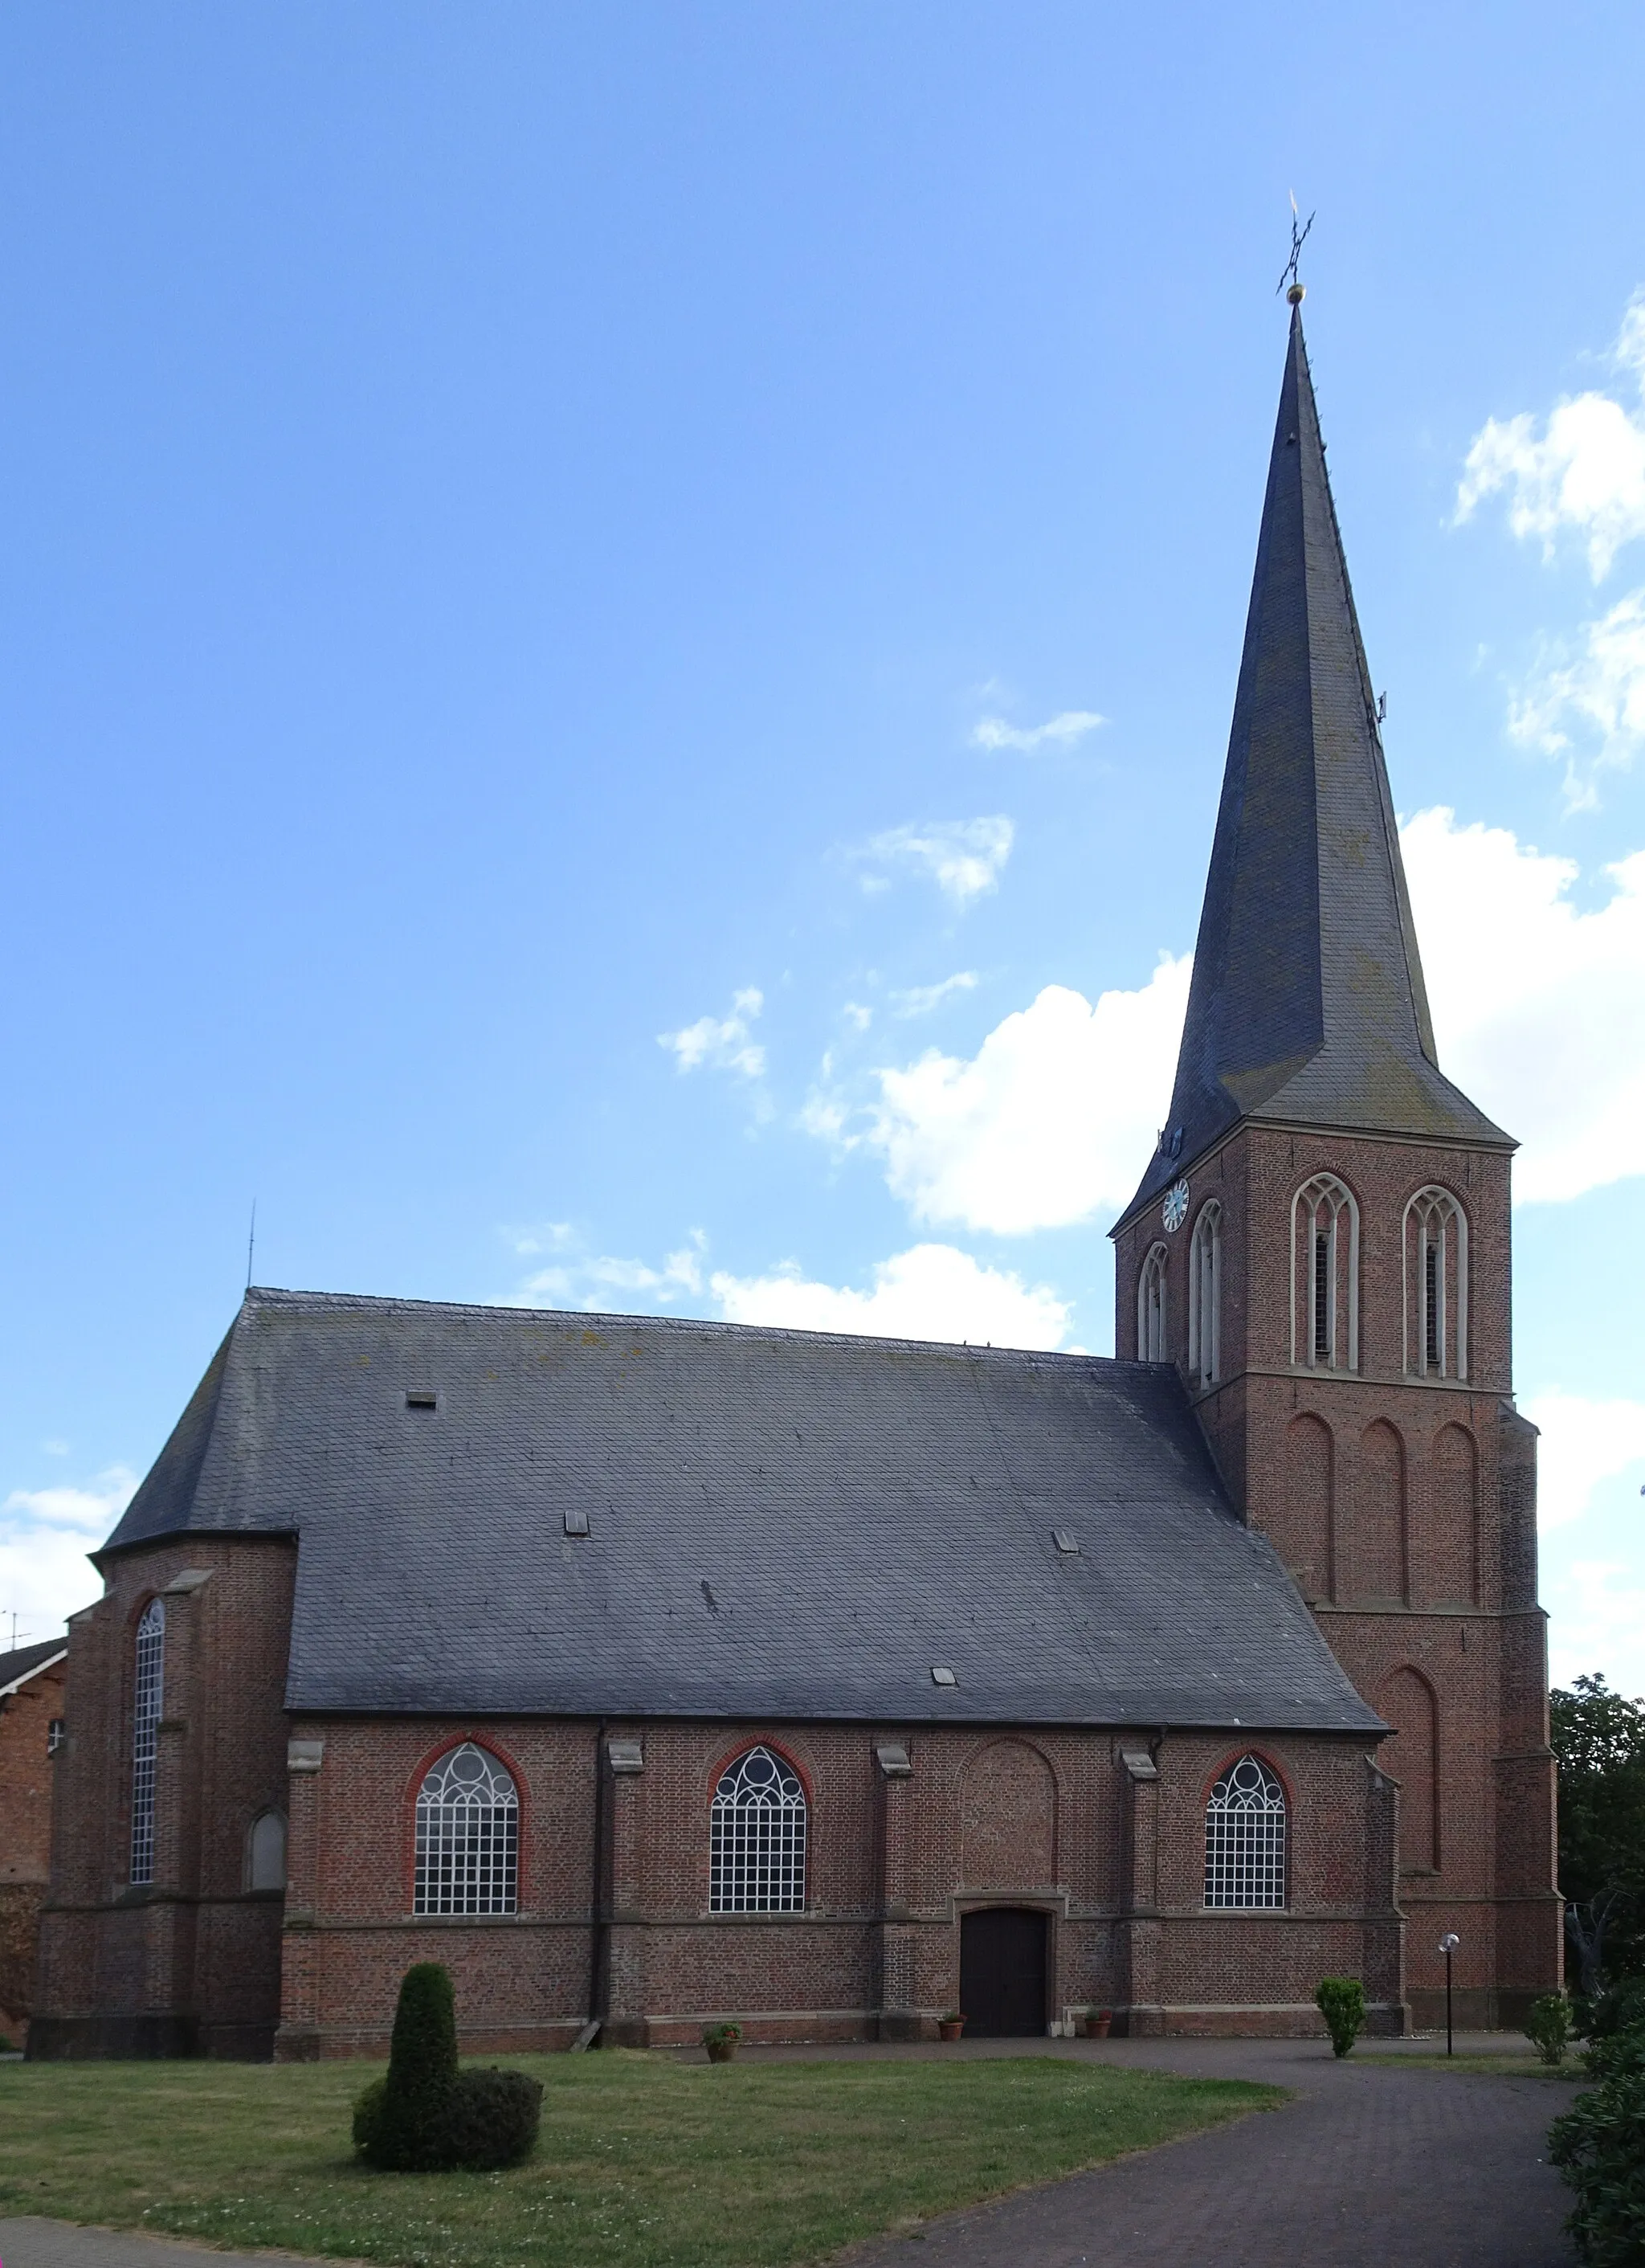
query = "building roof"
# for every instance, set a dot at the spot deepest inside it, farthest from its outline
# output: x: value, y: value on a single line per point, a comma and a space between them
x: 27, y: 1661
x: 1307, y: 1005
x: 780, y: 1524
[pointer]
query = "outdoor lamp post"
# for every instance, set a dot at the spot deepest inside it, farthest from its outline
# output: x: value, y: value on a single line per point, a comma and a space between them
x: 1448, y: 1944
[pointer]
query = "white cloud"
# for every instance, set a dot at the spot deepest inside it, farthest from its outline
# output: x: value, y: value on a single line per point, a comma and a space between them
x: 589, y: 1283
x: 856, y: 1015
x: 1583, y: 1443
x: 1598, y: 1623
x: 1069, y: 726
x: 919, y: 999
x: 1584, y: 474
x: 724, y: 1043
x: 963, y: 856
x: 1538, y: 1007
x: 1599, y: 697
x: 45, y: 1535
x: 931, y: 1292
x: 1055, y: 1116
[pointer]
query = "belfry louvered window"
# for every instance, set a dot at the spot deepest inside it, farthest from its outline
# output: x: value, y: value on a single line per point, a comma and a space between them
x: 1205, y: 1296
x: 1244, y: 1838
x: 468, y: 1816
x: 1436, y: 1286
x: 757, y: 1838
x: 146, y: 1705
x: 1150, y: 1308
x: 1326, y: 1275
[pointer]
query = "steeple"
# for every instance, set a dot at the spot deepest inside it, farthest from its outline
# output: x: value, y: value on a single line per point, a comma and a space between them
x: 1307, y: 1005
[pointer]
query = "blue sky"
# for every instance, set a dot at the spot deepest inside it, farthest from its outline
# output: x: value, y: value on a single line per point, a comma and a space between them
x: 617, y: 637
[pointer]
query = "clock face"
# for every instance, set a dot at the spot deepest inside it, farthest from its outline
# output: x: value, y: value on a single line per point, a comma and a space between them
x: 1174, y: 1211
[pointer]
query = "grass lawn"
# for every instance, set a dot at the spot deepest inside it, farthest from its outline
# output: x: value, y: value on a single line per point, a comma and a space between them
x: 643, y: 2161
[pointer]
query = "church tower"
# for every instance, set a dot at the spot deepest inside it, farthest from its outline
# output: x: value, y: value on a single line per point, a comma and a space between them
x: 1320, y: 1245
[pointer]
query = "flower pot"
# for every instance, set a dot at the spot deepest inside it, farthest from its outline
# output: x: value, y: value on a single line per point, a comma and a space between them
x: 722, y: 2051
x: 1097, y: 2026
x: 950, y: 2027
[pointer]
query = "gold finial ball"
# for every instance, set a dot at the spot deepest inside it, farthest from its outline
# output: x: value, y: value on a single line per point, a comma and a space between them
x: 1296, y: 294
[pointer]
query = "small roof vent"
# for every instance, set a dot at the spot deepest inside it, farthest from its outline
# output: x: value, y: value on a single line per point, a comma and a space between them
x: 422, y: 1398
x: 941, y: 1675
x: 1065, y: 1539
x: 576, y: 1523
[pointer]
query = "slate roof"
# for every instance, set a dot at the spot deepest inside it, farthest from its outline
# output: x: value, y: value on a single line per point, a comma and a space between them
x: 1307, y: 1005
x: 782, y: 1524
x: 27, y: 1661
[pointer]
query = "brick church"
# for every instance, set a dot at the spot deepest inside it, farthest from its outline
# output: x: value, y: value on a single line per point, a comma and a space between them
x: 650, y: 1672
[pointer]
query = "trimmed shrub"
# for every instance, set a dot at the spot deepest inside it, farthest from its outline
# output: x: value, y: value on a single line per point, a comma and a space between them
x: 1340, y: 2000
x: 1549, y: 2027
x: 1599, y: 2146
x: 425, y: 2115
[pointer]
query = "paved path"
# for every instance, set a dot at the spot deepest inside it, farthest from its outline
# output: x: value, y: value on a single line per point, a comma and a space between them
x: 1377, y: 2161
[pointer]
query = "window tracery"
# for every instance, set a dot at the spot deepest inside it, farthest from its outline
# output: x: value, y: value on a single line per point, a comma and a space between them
x: 468, y: 1816
x: 1244, y: 1838
x: 1435, y: 1246
x: 1205, y: 1296
x: 147, y: 1707
x: 757, y: 1838
x: 1150, y: 1308
x: 1326, y: 1275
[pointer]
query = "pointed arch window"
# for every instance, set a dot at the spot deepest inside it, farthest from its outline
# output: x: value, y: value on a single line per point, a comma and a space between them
x: 1244, y: 1838
x: 1326, y: 1275
x: 468, y: 1820
x: 147, y: 1707
x: 757, y: 1838
x: 1436, y: 1245
x: 1205, y: 1296
x: 1150, y: 1308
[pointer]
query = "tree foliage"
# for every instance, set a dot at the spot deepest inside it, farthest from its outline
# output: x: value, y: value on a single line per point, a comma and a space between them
x: 1598, y: 1738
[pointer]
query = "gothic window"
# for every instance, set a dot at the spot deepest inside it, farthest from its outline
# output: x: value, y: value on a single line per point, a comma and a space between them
x: 148, y: 1701
x: 757, y: 1838
x: 1326, y: 1275
x: 468, y: 1817
x: 1150, y: 1308
x: 1436, y: 1286
x: 1244, y: 1838
x: 265, y: 1853
x: 1205, y: 1296
x: 1406, y: 1703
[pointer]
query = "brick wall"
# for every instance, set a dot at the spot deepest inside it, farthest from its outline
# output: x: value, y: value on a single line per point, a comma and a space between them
x: 190, y: 1962
x: 26, y: 1772
x: 613, y: 1915
x: 1405, y: 1508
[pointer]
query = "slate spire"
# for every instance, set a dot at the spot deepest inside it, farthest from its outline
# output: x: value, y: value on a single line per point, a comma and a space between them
x: 1307, y: 1005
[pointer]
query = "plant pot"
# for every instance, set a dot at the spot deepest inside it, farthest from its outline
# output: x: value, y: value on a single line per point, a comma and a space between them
x: 1097, y: 2028
x: 948, y: 2028
x: 723, y: 2051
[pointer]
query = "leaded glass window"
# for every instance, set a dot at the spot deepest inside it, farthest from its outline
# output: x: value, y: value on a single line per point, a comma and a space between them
x: 1244, y: 1838
x: 757, y: 1840
x: 147, y: 1704
x: 468, y: 1816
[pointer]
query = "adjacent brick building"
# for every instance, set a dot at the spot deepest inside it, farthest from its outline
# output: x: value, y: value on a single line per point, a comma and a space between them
x: 31, y: 1732
x: 653, y: 1672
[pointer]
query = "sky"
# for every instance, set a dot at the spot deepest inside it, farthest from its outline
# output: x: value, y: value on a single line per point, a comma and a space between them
x: 617, y: 629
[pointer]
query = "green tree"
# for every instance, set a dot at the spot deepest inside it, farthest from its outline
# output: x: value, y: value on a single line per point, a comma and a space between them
x: 1600, y: 1742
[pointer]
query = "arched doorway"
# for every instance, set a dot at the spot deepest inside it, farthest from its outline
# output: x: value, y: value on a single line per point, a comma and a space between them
x: 1003, y: 1973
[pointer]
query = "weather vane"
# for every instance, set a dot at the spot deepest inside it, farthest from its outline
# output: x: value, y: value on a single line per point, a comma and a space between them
x: 1288, y: 282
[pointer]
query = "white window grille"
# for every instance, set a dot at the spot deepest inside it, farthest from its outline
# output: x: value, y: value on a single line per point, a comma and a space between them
x: 148, y: 1702
x: 1244, y: 1838
x: 1326, y: 1275
x: 468, y: 1816
x: 757, y: 1838
x: 1150, y: 1308
x: 1205, y: 1296
x: 1436, y: 1241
